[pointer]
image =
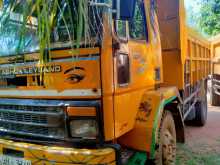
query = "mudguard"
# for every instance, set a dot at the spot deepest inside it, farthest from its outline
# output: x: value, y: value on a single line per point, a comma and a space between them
x: 144, y: 135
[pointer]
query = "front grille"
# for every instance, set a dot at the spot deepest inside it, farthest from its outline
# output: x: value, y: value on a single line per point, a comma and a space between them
x: 34, y: 121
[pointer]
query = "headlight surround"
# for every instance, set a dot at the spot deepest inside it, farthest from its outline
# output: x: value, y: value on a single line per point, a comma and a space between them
x: 84, y: 128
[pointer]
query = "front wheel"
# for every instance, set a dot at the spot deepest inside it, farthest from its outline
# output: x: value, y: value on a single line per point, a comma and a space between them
x: 166, y: 151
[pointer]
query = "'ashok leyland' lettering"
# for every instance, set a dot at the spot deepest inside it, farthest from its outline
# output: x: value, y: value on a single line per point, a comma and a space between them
x: 30, y: 70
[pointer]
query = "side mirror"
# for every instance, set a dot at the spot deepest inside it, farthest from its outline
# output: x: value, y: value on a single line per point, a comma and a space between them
x: 124, y: 9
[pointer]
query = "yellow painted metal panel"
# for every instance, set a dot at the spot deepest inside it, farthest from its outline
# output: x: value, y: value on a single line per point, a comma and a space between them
x: 151, y: 106
x: 39, y: 154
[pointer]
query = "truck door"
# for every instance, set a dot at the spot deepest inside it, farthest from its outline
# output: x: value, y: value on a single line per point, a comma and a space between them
x: 134, y: 72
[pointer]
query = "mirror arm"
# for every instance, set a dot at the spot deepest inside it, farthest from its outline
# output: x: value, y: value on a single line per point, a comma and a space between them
x: 117, y: 41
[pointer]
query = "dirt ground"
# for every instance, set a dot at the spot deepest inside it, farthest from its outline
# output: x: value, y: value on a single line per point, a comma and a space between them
x: 202, y: 143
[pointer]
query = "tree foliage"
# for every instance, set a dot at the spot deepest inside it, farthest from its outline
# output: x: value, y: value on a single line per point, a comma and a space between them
x: 209, y: 18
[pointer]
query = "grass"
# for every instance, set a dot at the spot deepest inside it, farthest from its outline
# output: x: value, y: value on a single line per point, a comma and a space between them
x: 218, y: 140
x: 186, y: 156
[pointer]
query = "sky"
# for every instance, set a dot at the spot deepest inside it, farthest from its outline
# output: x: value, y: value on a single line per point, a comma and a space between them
x: 192, y: 4
x: 189, y: 2
x: 192, y: 12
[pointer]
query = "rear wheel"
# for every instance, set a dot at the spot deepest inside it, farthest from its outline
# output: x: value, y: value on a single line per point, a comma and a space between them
x: 198, y: 115
x: 166, y: 152
x: 201, y: 109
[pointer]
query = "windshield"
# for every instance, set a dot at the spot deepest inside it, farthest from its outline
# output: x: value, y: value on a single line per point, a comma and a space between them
x: 72, y: 24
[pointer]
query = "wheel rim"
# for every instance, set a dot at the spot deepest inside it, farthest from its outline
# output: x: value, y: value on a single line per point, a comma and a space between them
x: 168, y: 148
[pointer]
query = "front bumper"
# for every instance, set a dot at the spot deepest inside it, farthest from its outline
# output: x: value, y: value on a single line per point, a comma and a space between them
x: 48, y: 155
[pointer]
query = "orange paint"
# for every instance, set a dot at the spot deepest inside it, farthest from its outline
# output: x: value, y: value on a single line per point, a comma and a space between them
x: 81, y: 111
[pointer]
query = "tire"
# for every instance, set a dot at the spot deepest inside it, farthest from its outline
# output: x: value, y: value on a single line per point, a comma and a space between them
x: 166, y: 151
x: 201, y: 109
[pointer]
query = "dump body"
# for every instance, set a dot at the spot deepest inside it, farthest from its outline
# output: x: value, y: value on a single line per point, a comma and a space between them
x: 186, y: 54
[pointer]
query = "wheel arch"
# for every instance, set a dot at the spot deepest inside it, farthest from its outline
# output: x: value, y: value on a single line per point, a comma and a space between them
x: 175, y: 108
x: 172, y: 103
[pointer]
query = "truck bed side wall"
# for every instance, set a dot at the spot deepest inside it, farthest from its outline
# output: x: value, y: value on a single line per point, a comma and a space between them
x: 198, y: 59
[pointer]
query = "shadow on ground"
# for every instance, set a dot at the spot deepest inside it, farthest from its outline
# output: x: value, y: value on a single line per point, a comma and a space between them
x: 202, y: 143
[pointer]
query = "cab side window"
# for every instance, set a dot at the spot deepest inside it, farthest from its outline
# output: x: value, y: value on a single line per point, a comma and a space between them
x: 121, y: 29
x: 138, y: 25
x: 123, y: 67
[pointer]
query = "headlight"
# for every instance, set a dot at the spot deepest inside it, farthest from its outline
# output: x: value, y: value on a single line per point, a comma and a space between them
x: 87, y: 129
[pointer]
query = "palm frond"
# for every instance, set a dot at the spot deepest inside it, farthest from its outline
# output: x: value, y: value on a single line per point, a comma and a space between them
x: 57, y: 22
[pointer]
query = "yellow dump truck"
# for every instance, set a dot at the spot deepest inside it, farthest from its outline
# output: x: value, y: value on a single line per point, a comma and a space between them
x: 215, y: 90
x: 120, y: 97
